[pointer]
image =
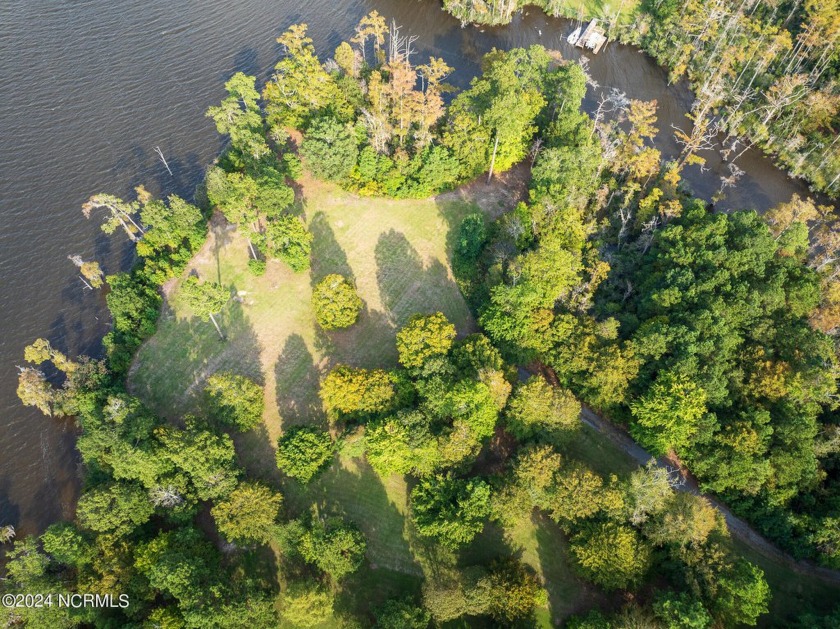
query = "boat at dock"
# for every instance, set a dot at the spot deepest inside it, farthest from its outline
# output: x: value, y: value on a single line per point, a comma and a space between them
x: 574, y: 36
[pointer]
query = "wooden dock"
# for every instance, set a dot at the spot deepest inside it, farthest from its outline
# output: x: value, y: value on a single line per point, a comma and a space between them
x: 592, y: 38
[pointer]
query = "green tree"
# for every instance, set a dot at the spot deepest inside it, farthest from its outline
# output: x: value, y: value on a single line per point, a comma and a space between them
x: 668, y: 415
x: 300, y: 87
x: 175, y: 230
x: 424, y: 337
x: 205, y: 299
x: 303, y: 452
x: 401, y: 614
x: 181, y: 564
x: 611, y: 555
x: 681, y: 611
x: 329, y: 149
x: 335, y: 547
x: 537, y: 407
x: 208, y: 459
x: 351, y: 391
x: 490, y: 125
x: 239, y: 117
x: 287, y: 239
x: 515, y: 592
x: 742, y: 594
x: 235, y: 400
x: 335, y: 302
x: 116, y: 507
x: 452, y: 510
x: 248, y: 513
x: 307, y: 604
x: 65, y: 543
x: 402, y: 444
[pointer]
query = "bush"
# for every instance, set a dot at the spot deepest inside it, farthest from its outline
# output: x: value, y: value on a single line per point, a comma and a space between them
x: 256, y: 267
x: 335, y: 302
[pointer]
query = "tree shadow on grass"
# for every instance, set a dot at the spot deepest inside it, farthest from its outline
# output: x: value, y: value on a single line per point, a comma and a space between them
x: 370, y: 342
x: 567, y: 593
x: 256, y: 453
x: 297, y: 385
x: 172, y: 368
x: 408, y: 287
x: 327, y: 255
x: 352, y: 490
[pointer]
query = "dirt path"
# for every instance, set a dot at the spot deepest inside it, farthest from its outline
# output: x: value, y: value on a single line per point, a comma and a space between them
x: 737, y: 527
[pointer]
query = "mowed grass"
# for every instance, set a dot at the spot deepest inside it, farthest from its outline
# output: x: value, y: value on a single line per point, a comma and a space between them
x: 588, y: 9
x: 395, y: 251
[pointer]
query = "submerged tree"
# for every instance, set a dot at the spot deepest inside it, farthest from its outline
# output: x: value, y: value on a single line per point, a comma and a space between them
x: 92, y: 274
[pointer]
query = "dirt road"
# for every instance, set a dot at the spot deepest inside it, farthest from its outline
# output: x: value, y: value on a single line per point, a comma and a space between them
x: 738, y: 528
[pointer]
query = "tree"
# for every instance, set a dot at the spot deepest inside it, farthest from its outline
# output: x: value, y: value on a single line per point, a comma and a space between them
x: 401, y: 614
x: 175, y: 230
x: 182, y: 564
x: 303, y: 452
x: 742, y: 595
x: 402, y: 444
x: 668, y: 416
x: 68, y: 545
x: 92, y: 274
x: 527, y: 484
x: 7, y: 533
x: 287, y: 239
x: 515, y: 592
x: 207, y: 459
x: 329, y: 149
x: 490, y: 125
x: 423, y: 337
x: 335, y: 302
x: 117, y: 507
x: 120, y: 214
x: 307, y: 604
x: 34, y: 390
x: 300, y: 87
x: 685, y: 520
x: 681, y: 611
x: 205, y: 299
x: 334, y: 547
x: 576, y: 493
x: 611, y: 555
x: 351, y: 391
x: 248, y: 513
x: 235, y: 400
x: 649, y: 491
x: 452, y: 510
x: 239, y: 117
x: 537, y: 407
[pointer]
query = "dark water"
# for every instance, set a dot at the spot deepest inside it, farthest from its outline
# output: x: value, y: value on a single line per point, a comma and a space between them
x: 90, y: 88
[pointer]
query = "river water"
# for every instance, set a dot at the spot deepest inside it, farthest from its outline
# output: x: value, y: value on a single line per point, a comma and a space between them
x: 91, y: 87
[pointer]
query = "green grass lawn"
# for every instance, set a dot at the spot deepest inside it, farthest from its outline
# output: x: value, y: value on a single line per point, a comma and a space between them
x: 587, y: 9
x: 397, y: 254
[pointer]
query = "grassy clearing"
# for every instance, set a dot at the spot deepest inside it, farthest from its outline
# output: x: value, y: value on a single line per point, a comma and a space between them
x: 397, y: 254
x: 604, y: 10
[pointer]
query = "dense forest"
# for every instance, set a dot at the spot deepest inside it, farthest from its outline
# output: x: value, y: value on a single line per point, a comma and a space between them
x: 713, y: 338
x: 764, y: 74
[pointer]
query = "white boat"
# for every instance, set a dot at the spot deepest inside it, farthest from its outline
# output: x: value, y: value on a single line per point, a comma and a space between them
x: 575, y: 36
